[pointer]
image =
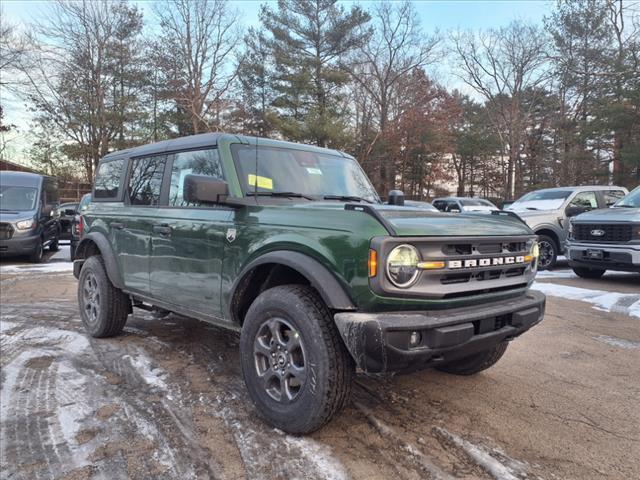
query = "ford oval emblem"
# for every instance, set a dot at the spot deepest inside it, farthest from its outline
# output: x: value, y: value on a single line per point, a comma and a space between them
x: 597, y: 233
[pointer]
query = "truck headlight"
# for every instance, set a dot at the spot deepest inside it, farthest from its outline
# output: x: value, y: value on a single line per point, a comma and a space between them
x: 25, y: 224
x: 402, y: 265
x: 535, y: 249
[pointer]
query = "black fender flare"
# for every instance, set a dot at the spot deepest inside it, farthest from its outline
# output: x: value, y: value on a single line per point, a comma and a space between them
x: 108, y: 255
x: 327, y: 285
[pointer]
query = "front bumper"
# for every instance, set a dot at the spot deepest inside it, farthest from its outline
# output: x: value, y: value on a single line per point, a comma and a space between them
x: 19, y: 245
x: 615, y: 256
x: 379, y: 342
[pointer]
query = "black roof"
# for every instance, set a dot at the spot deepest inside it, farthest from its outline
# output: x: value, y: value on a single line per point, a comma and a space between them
x: 26, y: 179
x: 210, y: 140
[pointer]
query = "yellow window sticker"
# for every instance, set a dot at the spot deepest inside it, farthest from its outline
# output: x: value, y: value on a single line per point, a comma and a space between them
x: 260, y: 182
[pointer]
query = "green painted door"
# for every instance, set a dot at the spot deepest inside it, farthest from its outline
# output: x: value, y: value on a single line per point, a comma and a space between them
x: 188, y: 240
x: 131, y: 230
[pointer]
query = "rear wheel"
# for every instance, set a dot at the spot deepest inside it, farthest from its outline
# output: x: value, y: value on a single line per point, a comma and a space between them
x: 103, y: 307
x: 548, y: 252
x: 477, y: 362
x: 583, y: 272
x: 296, y: 368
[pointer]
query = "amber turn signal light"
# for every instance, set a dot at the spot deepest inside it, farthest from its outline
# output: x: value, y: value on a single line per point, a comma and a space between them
x: 373, y: 263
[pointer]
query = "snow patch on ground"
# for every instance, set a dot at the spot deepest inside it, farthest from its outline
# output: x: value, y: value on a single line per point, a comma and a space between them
x: 152, y: 375
x: 625, y: 303
x: 306, y: 458
x: 618, y: 342
x: 503, y: 468
x: 54, y: 267
x: 543, y: 274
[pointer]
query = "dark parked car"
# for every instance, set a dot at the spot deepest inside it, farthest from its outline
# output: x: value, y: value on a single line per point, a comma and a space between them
x: 66, y: 214
x: 77, y: 227
x: 27, y: 220
x: 291, y: 246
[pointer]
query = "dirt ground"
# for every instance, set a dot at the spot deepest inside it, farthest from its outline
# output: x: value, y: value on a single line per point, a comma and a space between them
x: 166, y: 400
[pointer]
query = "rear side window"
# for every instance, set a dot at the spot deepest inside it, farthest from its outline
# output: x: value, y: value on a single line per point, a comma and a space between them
x: 107, y: 184
x: 196, y: 162
x: 612, y: 196
x: 145, y: 180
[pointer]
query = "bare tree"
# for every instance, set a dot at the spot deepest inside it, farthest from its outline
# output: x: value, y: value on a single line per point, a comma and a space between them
x: 502, y: 65
x: 199, y: 38
x: 396, y: 49
x: 76, y: 74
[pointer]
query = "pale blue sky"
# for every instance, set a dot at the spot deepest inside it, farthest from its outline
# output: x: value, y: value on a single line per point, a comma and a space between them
x: 434, y: 14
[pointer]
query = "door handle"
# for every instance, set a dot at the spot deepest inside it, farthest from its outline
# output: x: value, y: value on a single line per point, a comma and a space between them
x: 162, y: 229
x: 117, y: 225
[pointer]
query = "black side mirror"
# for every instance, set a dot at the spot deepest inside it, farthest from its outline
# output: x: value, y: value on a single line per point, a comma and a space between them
x: 204, y: 189
x: 69, y: 211
x: 396, y: 197
x: 573, y: 210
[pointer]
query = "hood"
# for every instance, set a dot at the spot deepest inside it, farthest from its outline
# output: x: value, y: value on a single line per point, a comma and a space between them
x: 539, y: 205
x: 616, y: 214
x: 406, y: 221
x: 13, y: 216
x: 532, y: 214
x: 414, y: 222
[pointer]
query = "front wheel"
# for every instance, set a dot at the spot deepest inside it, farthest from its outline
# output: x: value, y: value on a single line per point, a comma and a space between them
x: 38, y: 252
x: 103, y: 307
x: 477, y: 362
x: 593, y: 273
x: 548, y: 252
x: 296, y: 368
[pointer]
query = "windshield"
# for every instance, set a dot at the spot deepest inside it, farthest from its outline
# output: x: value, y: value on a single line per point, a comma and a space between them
x: 541, y: 200
x: 631, y: 200
x: 18, y: 199
x: 299, y: 171
x: 475, y: 202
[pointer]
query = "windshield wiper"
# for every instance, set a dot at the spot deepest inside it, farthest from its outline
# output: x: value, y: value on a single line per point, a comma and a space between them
x: 347, y: 198
x: 625, y: 206
x: 532, y: 208
x: 279, y: 194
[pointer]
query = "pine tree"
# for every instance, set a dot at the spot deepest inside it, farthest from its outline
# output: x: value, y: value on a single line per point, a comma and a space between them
x: 308, y: 40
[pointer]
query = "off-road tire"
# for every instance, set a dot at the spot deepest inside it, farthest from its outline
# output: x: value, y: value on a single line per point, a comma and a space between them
x: 583, y: 272
x: 329, y: 367
x: 38, y: 252
x: 114, y: 305
x: 477, y: 362
x: 554, y: 255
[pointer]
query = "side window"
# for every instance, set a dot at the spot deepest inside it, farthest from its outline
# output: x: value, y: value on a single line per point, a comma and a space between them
x: 439, y: 204
x: 612, y: 196
x: 107, y: 182
x: 197, y: 162
x: 585, y: 200
x: 145, y: 180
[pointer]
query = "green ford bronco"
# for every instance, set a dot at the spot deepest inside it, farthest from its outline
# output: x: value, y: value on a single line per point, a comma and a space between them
x: 291, y: 246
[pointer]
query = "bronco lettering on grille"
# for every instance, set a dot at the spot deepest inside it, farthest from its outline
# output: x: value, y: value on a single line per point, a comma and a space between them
x: 486, y: 262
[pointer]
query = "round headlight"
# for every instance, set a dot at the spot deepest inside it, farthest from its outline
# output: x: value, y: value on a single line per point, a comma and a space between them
x: 535, y: 250
x: 402, y: 265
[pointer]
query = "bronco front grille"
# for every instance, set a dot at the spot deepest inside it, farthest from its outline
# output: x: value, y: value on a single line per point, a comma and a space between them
x: 6, y: 231
x: 600, y: 232
x: 472, y: 266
